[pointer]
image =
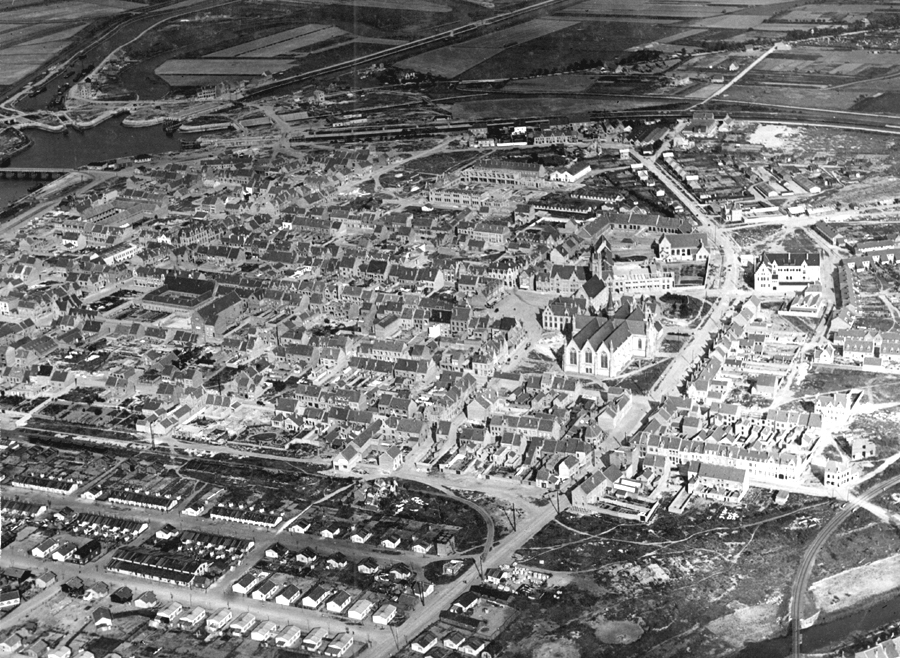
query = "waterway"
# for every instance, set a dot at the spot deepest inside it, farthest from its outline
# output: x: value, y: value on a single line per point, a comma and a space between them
x: 107, y: 141
x: 828, y: 633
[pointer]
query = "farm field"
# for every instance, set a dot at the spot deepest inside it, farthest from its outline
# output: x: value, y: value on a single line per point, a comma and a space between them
x: 576, y: 43
x: 552, y: 84
x: 558, y: 106
x: 31, y: 32
x: 421, y: 5
x: 675, y: 10
x: 451, y: 61
x: 307, y: 36
x: 281, y: 43
x: 179, y: 71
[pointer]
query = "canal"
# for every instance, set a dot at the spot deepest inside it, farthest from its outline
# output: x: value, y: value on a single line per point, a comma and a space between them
x: 107, y: 141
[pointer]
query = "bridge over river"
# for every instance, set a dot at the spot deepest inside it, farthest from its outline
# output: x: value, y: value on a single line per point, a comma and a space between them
x: 33, y: 173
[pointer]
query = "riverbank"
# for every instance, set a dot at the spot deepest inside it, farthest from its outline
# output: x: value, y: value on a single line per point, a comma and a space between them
x: 22, y: 142
x: 857, y: 587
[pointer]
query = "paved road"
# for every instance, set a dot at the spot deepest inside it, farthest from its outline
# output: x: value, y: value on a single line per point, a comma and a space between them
x: 501, y: 554
x: 727, y: 287
x: 804, y: 571
x: 211, y: 599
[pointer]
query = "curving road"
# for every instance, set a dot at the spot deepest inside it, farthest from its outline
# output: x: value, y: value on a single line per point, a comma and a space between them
x: 801, y: 578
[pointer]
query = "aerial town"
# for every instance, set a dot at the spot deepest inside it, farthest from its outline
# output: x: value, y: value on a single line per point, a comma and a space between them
x: 340, y: 367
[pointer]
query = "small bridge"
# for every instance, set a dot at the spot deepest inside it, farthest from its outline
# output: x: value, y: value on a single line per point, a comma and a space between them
x: 33, y: 173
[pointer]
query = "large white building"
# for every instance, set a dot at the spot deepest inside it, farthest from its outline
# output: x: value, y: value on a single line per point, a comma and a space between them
x: 603, y: 346
x: 786, y: 272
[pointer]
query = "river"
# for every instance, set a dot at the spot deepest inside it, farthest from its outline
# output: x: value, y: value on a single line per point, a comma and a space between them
x: 107, y: 141
x: 828, y: 633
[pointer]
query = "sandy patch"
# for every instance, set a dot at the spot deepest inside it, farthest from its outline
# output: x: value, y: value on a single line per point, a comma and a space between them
x: 751, y: 624
x: 771, y: 136
x: 609, y: 631
x: 556, y: 649
x: 855, y: 586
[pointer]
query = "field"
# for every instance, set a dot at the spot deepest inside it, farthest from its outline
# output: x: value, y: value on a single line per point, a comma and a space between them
x: 282, y: 43
x: 305, y: 35
x: 451, y: 61
x: 544, y: 106
x: 566, y: 84
x: 242, y: 67
x: 420, y: 5
x: 32, y: 32
x: 674, y: 10
x: 577, y: 43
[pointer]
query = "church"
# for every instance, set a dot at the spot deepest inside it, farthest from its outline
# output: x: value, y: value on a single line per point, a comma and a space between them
x: 603, y: 346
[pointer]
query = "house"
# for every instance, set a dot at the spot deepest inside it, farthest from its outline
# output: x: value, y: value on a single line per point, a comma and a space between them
x: 192, y: 620
x: 64, y: 552
x: 306, y: 555
x: 472, y: 646
x: 368, y: 566
x: 11, y: 644
x: 288, y: 637
x: 102, y: 618
x: 336, y: 561
x: 401, y: 572
x: 122, y: 595
x: 247, y: 582
x: 45, y: 579
x: 242, y: 625
x: 347, y: 459
x: 360, y: 610
x: 339, y: 646
x: 10, y: 599
x: 96, y: 591
x: 266, y: 591
x: 314, y: 639
x: 264, y: 632
x: 338, y: 603
x: 391, y: 541
x: 170, y: 613
x: 219, y: 620
x: 315, y: 597
x: 424, y: 642
x: 288, y: 595
x: 146, y: 601
x: 45, y: 549
x: 384, y: 615
x: 454, y: 640
x: 465, y: 603
x: 360, y: 536
x: 839, y: 474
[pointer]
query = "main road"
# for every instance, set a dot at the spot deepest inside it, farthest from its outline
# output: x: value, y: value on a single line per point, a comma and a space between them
x: 728, y: 277
x: 804, y: 571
